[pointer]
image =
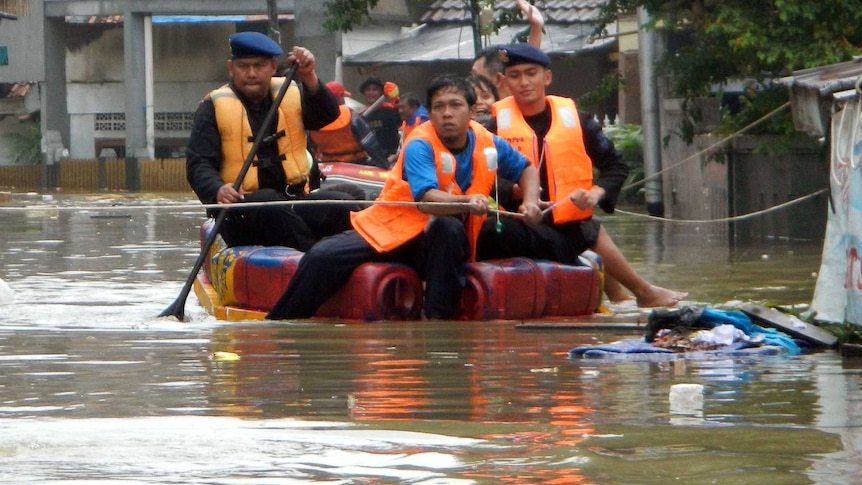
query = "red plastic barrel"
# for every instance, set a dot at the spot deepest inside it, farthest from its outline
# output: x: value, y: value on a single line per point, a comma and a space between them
x: 505, y: 289
x: 569, y: 290
x: 377, y: 291
x: 261, y: 274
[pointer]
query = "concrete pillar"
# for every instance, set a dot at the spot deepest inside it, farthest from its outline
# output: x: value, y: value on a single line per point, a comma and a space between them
x: 54, y: 111
x: 325, y: 46
x: 149, y: 111
x: 650, y: 115
x: 135, y: 80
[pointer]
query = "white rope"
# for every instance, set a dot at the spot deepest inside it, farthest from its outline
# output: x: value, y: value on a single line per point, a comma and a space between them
x: 246, y: 205
x: 707, y: 149
x: 459, y: 205
x: 741, y: 217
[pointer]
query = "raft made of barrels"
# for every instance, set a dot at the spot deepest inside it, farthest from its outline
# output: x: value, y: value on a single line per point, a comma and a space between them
x: 245, y: 282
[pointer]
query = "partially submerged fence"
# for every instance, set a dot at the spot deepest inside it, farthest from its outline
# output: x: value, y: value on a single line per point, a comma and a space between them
x: 93, y: 175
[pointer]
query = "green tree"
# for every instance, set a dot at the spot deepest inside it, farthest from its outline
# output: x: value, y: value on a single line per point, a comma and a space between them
x: 24, y: 144
x: 344, y: 15
x: 711, y: 42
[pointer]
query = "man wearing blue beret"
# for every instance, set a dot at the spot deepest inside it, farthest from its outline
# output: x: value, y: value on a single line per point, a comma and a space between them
x: 565, y: 146
x: 225, y: 126
x: 487, y: 61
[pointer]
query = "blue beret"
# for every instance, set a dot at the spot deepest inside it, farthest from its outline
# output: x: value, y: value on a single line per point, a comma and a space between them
x: 253, y: 44
x: 514, y: 54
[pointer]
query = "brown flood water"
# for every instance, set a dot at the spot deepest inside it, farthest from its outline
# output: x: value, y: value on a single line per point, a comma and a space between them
x: 95, y: 389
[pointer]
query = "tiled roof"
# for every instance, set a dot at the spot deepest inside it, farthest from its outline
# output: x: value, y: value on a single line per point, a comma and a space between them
x: 559, y: 12
x: 445, y: 33
x: 17, y: 90
x: 433, y: 43
x: 174, y: 19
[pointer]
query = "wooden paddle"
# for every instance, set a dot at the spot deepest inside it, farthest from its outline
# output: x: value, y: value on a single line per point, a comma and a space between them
x: 177, y: 308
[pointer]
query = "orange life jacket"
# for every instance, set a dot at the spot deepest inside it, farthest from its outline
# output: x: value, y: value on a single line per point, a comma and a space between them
x: 335, y: 141
x: 386, y: 227
x: 568, y: 165
x: 406, y: 129
x: 237, y: 138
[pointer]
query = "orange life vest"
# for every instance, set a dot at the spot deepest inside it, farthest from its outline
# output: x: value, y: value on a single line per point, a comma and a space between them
x: 237, y: 138
x: 335, y: 141
x: 568, y: 165
x: 385, y: 227
x: 406, y: 129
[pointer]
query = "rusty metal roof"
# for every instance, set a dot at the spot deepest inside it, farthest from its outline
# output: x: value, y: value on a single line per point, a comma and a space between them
x: 17, y: 90
x: 827, y: 79
x: 814, y: 91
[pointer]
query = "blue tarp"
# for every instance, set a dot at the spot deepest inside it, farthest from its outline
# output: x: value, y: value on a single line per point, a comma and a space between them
x: 773, y: 342
x: 637, y: 349
x: 196, y: 19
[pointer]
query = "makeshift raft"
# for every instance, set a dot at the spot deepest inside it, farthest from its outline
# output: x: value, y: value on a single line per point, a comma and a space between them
x: 245, y: 282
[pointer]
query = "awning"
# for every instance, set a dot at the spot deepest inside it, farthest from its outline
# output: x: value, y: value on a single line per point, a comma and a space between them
x: 455, y: 42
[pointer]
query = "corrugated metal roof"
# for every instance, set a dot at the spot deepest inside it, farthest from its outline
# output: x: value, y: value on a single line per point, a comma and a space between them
x: 827, y: 79
x: 812, y: 91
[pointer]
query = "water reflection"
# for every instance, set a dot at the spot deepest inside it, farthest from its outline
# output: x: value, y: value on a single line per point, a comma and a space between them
x: 94, y: 388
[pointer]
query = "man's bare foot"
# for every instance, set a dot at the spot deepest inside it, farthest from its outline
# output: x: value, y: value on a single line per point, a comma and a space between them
x: 657, y: 296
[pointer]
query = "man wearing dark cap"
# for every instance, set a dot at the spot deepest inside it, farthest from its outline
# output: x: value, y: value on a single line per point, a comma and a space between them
x: 225, y: 126
x: 565, y: 146
x: 384, y: 120
x: 348, y: 138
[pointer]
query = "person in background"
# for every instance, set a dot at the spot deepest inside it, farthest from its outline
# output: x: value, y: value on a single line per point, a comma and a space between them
x: 450, y: 159
x: 412, y: 114
x: 487, y: 62
x: 384, y: 120
x: 348, y: 138
x: 226, y: 123
x: 565, y: 146
x: 486, y: 96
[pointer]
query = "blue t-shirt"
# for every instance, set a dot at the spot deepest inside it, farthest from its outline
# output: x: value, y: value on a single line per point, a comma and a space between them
x: 418, y: 117
x: 421, y: 172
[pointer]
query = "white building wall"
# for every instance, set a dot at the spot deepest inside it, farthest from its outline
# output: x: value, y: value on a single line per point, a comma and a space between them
x: 82, y: 131
x: 189, y: 61
x: 86, y: 100
x: 25, y: 45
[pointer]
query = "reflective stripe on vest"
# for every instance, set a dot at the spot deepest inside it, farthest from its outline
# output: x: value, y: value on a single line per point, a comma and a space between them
x: 386, y: 227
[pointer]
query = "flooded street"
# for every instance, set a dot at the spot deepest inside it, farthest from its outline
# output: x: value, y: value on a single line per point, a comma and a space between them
x: 95, y: 389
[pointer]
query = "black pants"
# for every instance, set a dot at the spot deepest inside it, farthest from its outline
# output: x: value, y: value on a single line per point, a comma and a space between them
x: 297, y: 226
x: 561, y: 243
x: 439, y: 256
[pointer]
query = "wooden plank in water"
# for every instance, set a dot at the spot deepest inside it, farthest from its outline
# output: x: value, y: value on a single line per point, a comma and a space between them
x: 587, y: 323
x: 770, y: 317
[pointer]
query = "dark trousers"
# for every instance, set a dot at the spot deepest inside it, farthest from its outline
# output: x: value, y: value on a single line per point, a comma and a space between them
x: 561, y: 243
x: 297, y: 226
x: 439, y: 256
